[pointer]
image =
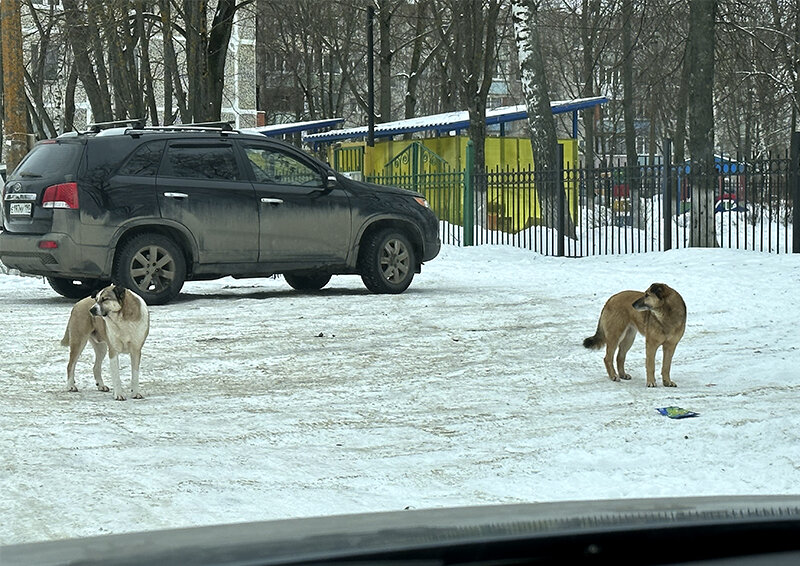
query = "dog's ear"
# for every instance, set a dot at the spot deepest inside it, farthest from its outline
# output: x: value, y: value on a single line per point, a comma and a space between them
x: 658, y: 290
x: 119, y: 292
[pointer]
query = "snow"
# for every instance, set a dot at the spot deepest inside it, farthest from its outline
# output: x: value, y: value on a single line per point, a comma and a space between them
x: 472, y: 387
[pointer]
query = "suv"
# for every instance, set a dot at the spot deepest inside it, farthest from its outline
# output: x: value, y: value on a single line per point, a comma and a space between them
x: 151, y: 207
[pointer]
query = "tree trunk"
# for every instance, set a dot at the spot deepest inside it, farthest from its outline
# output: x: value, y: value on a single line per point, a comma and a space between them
x: 195, y: 15
x: 98, y: 51
x: 588, y: 9
x: 220, y: 37
x: 69, y: 100
x: 681, y: 110
x: 628, y: 111
x: 171, y: 76
x: 38, y: 111
x: 701, y: 121
x: 146, y: 74
x: 544, y: 142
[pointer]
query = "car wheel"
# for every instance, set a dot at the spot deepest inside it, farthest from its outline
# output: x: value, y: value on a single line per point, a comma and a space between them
x: 309, y: 282
x: 387, y: 262
x: 75, y: 288
x: 152, y: 266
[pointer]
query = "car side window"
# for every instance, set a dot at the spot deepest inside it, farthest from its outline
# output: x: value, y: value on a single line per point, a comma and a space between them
x: 144, y: 161
x: 275, y: 167
x: 201, y: 161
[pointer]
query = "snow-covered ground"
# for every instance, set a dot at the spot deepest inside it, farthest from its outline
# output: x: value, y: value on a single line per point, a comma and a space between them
x: 472, y: 387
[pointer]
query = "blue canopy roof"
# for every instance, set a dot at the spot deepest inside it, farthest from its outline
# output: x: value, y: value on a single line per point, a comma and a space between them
x: 293, y: 127
x: 450, y: 121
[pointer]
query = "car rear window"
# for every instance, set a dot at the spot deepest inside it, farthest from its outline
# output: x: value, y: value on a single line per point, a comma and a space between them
x: 49, y: 160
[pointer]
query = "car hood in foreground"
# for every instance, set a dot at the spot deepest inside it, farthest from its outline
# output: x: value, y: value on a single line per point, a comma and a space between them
x: 638, y: 531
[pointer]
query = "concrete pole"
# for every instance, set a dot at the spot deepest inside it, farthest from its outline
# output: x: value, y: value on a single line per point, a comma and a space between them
x: 15, y: 114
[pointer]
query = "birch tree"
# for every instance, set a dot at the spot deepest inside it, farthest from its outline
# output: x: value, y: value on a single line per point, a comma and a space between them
x: 544, y: 142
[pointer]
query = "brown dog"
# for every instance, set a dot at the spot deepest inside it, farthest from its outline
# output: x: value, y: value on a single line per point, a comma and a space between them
x: 116, y: 321
x: 659, y: 314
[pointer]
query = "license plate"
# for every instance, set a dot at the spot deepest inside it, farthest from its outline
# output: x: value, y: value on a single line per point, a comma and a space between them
x: 20, y: 209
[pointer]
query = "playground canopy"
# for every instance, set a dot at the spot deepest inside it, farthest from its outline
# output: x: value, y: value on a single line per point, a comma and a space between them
x: 294, y: 127
x: 455, y: 121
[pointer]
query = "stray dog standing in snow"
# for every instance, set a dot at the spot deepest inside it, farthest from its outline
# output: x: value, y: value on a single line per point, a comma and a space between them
x: 659, y: 314
x: 116, y: 321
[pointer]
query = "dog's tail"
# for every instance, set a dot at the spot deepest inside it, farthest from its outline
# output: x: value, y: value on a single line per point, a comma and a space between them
x: 65, y: 339
x: 597, y: 341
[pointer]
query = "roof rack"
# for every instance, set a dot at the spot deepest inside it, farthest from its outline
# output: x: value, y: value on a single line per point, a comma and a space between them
x: 138, y: 123
x: 199, y: 126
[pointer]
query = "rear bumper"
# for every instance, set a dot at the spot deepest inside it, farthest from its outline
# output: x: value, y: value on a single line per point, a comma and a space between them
x: 68, y: 259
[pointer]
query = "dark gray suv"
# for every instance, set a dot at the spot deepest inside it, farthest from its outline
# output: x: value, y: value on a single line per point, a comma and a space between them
x: 150, y: 208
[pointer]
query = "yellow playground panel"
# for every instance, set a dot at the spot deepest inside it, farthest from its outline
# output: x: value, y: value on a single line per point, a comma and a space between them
x: 433, y: 166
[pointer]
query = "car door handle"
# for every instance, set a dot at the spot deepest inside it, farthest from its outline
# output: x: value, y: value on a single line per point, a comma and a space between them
x: 267, y: 200
x: 176, y: 195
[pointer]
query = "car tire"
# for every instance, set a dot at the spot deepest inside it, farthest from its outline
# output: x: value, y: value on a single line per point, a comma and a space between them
x: 75, y: 288
x: 307, y: 282
x: 387, y: 262
x: 152, y: 266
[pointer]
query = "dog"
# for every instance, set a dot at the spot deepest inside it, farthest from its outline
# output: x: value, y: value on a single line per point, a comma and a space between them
x: 116, y: 321
x: 659, y: 314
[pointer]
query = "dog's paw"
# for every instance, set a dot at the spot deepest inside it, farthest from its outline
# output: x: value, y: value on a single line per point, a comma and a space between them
x: 103, y: 388
x: 670, y: 383
x: 72, y: 389
x: 625, y: 376
x: 651, y: 383
x: 137, y: 396
x: 119, y: 397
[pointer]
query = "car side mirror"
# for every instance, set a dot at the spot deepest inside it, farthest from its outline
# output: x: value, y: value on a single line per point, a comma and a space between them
x: 331, y: 181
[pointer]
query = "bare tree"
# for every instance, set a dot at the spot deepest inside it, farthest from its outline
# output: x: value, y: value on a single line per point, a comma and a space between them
x: 42, y: 64
x: 206, y: 53
x: 472, y: 58
x: 420, y: 59
x: 80, y: 34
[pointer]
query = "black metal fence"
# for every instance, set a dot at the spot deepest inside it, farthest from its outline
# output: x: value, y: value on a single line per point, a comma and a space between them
x: 617, y: 209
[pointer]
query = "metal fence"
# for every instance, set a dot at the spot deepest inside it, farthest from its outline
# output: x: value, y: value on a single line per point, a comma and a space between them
x: 616, y: 209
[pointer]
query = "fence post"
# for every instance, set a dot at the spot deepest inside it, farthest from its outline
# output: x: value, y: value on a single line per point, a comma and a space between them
x: 561, y: 223
x: 666, y: 193
x: 469, y: 198
x: 794, y: 172
x: 415, y: 168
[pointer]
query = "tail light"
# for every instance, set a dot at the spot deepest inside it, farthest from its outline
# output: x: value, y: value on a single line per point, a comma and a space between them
x: 63, y: 195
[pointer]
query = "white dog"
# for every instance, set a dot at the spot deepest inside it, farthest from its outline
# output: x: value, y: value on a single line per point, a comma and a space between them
x: 116, y: 321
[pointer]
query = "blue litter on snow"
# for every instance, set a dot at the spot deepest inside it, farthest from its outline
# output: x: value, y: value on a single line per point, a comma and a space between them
x: 676, y: 412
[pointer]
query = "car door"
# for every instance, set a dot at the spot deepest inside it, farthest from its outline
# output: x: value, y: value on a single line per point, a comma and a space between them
x: 303, y: 219
x: 200, y: 185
